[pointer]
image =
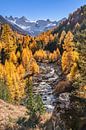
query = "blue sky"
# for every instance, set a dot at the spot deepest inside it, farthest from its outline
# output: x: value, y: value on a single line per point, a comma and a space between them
x: 39, y: 9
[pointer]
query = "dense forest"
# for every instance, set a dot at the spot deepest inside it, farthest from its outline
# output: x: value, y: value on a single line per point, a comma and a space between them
x: 20, y: 58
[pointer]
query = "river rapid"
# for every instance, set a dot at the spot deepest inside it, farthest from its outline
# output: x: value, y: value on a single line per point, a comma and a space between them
x: 68, y: 113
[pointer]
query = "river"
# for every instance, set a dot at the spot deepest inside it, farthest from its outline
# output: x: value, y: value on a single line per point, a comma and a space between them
x: 43, y: 84
x: 68, y: 113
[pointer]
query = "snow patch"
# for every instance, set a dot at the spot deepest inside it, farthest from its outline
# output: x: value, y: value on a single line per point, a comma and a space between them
x: 51, y: 24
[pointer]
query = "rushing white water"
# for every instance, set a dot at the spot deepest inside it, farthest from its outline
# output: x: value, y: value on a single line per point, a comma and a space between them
x: 42, y: 85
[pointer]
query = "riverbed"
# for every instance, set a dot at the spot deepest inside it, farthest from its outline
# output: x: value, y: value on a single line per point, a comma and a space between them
x: 68, y: 113
x: 43, y: 84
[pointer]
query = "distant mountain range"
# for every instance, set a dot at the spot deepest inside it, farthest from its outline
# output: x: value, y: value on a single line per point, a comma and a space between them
x: 24, y: 26
x: 13, y: 26
x: 33, y: 28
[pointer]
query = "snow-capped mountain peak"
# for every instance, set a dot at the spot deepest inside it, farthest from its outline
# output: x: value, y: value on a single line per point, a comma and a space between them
x: 33, y: 27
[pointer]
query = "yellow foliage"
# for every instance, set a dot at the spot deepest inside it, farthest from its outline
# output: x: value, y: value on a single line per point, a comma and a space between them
x: 21, y: 70
x: 26, y: 56
x: 70, y: 57
x: 40, y: 55
x: 33, y: 45
x: 12, y: 77
x: 20, y: 39
x: 68, y: 42
x: 62, y: 36
x: 51, y: 37
x: 0, y: 45
x: 45, y: 37
x: 8, y: 38
x: 73, y: 71
x: 66, y: 61
x: 18, y: 59
x: 13, y: 57
x: 34, y: 68
x: 2, y: 71
x: 54, y: 56
x: 75, y: 55
x: 13, y: 81
x: 18, y: 54
x: 26, y: 40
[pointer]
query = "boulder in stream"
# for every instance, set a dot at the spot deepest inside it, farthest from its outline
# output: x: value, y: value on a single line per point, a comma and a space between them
x: 63, y: 86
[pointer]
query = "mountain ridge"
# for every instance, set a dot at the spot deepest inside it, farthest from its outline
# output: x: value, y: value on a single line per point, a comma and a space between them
x: 14, y: 27
x: 33, y: 27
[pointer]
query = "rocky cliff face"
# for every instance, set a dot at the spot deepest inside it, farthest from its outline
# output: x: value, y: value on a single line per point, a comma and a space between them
x: 74, y: 19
